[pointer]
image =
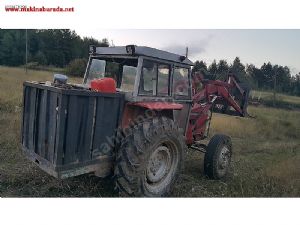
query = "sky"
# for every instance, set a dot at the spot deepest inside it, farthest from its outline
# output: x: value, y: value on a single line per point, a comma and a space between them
x: 252, y: 46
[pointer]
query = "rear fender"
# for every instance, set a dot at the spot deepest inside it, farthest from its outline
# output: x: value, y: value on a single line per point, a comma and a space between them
x: 140, y: 111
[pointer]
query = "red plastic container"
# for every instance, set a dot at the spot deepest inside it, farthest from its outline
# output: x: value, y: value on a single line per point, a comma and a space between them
x: 105, y: 85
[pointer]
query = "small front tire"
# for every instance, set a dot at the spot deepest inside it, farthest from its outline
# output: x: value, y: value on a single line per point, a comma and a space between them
x: 217, y: 158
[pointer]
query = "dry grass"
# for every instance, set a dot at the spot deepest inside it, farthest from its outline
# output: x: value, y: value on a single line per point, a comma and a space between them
x: 266, y: 157
x: 266, y: 154
x: 282, y: 100
x: 11, y: 82
x: 265, y: 94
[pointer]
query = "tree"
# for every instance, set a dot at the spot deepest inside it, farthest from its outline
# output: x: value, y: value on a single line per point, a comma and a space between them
x: 47, y: 47
x: 283, y: 79
x: 40, y: 58
x: 295, y: 85
x: 267, y: 75
x: 6, y: 49
x: 255, y: 76
x: 222, y: 69
x: 200, y: 66
x: 213, y: 69
x: 238, y: 69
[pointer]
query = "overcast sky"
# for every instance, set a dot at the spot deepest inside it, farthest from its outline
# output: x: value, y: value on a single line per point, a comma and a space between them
x: 252, y: 46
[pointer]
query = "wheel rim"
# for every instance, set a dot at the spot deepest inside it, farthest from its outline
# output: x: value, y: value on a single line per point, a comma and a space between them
x: 161, y: 167
x: 224, y: 160
x: 159, y: 164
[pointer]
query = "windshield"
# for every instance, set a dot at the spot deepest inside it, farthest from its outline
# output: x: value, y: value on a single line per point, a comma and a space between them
x: 122, y: 70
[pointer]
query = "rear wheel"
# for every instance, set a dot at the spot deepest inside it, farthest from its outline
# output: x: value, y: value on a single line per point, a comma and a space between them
x: 218, y: 157
x: 150, y: 159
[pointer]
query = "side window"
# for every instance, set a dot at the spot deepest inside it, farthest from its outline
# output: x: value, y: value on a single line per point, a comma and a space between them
x: 148, y: 76
x: 128, y: 78
x: 181, y: 81
x: 163, y: 75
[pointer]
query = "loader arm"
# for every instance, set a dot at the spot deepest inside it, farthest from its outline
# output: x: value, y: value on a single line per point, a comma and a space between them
x: 212, y: 91
x: 221, y: 89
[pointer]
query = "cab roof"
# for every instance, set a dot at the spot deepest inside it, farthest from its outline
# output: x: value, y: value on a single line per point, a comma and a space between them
x: 143, y: 51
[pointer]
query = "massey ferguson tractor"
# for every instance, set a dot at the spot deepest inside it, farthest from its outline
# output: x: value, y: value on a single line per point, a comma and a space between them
x: 134, y: 116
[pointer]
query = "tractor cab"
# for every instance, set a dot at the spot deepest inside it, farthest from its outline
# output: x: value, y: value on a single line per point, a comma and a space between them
x: 150, y: 79
x: 142, y: 73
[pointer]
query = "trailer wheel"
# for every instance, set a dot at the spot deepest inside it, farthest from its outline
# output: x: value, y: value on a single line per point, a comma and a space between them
x: 218, y: 157
x: 150, y: 159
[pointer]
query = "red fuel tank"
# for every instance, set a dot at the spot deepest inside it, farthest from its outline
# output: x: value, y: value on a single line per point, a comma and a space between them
x: 105, y: 85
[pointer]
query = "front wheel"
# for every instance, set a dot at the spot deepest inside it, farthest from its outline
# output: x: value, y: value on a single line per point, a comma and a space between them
x: 218, y: 157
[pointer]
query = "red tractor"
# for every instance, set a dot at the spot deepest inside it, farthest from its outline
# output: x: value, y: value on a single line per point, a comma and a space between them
x: 134, y: 117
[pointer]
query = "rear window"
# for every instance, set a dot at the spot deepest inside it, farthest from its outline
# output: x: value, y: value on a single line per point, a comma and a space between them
x: 123, y: 71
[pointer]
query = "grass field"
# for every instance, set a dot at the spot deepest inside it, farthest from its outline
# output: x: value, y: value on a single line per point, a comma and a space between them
x: 266, y: 159
x: 282, y: 101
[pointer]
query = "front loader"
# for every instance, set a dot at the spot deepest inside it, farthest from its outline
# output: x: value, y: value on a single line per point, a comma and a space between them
x: 133, y: 117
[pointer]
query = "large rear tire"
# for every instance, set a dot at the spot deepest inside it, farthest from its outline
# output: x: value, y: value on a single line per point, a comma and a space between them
x: 217, y: 158
x: 150, y: 159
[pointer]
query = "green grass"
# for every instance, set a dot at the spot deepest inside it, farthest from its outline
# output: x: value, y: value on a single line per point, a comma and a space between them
x: 265, y: 164
x: 282, y: 100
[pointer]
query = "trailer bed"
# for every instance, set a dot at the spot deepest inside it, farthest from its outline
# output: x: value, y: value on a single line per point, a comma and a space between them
x: 68, y: 132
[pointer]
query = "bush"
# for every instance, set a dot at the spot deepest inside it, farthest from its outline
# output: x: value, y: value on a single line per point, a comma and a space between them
x: 76, y: 67
x: 50, y: 68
